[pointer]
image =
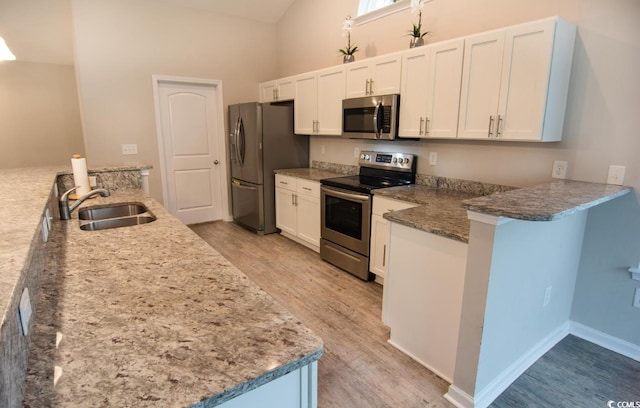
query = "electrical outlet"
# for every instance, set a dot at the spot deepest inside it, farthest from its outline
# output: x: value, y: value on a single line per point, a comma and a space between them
x: 636, y: 299
x: 24, y: 310
x: 433, y: 158
x: 547, y: 296
x: 322, y: 149
x: 559, y: 170
x: 129, y: 149
x: 356, y: 152
x: 616, y: 175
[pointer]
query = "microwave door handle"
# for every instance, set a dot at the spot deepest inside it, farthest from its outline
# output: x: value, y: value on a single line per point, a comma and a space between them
x: 376, y: 112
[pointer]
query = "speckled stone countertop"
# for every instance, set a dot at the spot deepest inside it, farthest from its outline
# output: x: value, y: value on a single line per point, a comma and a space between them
x: 23, y: 194
x: 151, y: 315
x: 440, y: 211
x: 309, y: 174
x: 546, y: 202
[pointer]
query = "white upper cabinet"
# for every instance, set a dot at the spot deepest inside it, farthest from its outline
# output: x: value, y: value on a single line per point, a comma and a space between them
x: 511, y: 90
x: 277, y: 90
x: 318, y: 102
x: 430, y: 91
x: 375, y: 76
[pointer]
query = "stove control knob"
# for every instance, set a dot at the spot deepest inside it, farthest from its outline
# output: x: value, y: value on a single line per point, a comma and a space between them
x: 362, y: 156
x: 395, y: 160
x: 406, y: 160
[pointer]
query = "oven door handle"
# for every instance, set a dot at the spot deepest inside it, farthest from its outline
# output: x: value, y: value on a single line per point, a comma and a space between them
x: 347, y: 196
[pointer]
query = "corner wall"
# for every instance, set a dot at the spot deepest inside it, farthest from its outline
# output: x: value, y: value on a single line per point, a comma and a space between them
x: 39, y: 114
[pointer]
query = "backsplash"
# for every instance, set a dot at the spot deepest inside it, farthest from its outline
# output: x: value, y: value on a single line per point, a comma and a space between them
x: 112, y: 178
x: 467, y: 186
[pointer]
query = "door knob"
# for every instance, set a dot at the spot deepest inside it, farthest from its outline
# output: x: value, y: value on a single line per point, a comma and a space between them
x: 216, y: 162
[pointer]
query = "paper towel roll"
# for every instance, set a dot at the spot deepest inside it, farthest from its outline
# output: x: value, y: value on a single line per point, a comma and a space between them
x: 80, y: 175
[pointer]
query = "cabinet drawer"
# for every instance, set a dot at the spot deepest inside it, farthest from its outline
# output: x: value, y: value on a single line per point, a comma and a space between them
x: 382, y: 205
x: 308, y: 187
x: 286, y: 182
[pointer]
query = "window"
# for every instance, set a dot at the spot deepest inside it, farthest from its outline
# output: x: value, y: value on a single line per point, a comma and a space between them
x: 374, y: 9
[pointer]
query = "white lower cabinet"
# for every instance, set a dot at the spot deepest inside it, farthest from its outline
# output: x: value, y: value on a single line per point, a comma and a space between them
x: 298, y: 210
x: 298, y: 389
x: 378, y: 248
x: 422, y: 299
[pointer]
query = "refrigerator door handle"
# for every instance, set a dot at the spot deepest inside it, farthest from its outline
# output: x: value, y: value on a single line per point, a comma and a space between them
x: 242, y: 141
x: 236, y: 135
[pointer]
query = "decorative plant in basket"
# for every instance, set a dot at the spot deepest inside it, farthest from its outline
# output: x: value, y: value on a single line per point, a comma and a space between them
x: 350, y: 49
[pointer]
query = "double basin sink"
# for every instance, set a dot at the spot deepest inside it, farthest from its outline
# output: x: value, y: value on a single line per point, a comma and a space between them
x: 118, y: 215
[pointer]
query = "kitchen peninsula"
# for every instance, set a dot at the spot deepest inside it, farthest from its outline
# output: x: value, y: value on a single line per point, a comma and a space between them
x: 151, y: 315
x: 496, y: 280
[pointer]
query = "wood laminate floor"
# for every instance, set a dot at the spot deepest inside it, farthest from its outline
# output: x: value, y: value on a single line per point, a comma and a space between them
x: 360, y: 369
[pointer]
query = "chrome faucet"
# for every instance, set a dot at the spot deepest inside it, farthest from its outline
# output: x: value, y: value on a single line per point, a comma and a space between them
x: 63, y: 204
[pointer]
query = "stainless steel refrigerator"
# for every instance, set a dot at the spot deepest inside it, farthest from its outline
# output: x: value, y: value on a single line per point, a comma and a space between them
x: 261, y: 140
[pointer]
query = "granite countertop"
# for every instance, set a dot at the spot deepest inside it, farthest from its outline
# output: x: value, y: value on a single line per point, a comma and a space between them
x: 309, y: 174
x: 151, y: 315
x: 440, y: 211
x: 24, y: 194
x: 546, y: 202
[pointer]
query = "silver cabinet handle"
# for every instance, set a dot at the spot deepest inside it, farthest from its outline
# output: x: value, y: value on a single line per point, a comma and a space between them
x: 371, y: 86
x: 277, y: 93
x: 366, y: 87
x: 498, y: 126
x: 216, y: 162
x: 306, y: 188
x: 384, y: 255
x: 490, y: 132
x: 293, y: 202
x: 421, y: 122
x: 426, y: 125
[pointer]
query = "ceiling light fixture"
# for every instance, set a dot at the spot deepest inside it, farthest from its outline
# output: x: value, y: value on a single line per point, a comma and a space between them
x: 5, y: 52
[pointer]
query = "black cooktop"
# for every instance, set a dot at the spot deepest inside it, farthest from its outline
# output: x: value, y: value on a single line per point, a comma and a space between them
x: 364, y: 184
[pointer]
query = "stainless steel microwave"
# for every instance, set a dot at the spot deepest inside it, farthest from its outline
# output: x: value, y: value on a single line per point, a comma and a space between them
x: 371, y: 117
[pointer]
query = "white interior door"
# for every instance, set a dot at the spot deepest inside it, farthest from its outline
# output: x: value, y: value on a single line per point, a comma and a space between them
x: 191, y: 128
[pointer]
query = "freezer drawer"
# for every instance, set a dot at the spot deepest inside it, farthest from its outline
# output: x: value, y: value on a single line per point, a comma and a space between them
x: 248, y: 204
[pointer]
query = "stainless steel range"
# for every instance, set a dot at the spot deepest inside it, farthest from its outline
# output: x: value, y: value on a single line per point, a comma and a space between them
x: 346, y: 208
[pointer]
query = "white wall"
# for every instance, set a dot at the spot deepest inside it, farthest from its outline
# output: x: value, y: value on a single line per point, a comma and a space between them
x: 120, y: 44
x: 39, y: 114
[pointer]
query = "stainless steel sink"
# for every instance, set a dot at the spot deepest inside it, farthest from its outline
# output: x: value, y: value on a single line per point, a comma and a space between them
x: 102, y: 212
x: 118, y: 215
x: 117, y: 222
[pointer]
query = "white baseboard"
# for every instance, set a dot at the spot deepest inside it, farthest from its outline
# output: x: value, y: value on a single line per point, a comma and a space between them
x: 447, y: 378
x: 605, y: 340
x: 458, y: 397
x: 496, y: 387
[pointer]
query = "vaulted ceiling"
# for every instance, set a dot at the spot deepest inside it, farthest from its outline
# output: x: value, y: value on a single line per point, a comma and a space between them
x: 41, y: 30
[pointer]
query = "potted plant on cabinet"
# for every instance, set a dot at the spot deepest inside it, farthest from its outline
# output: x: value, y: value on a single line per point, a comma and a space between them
x: 349, y: 50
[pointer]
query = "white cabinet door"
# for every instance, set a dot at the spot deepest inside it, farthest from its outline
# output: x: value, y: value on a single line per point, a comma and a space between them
x: 481, y: 77
x: 385, y: 75
x: 308, y: 221
x: 286, y: 210
x: 413, y: 103
x: 268, y: 91
x: 379, y: 242
x: 443, y: 89
x: 358, y: 78
x: 376, y: 76
x: 331, y: 91
x: 286, y: 89
x: 523, y: 90
x: 305, y: 104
